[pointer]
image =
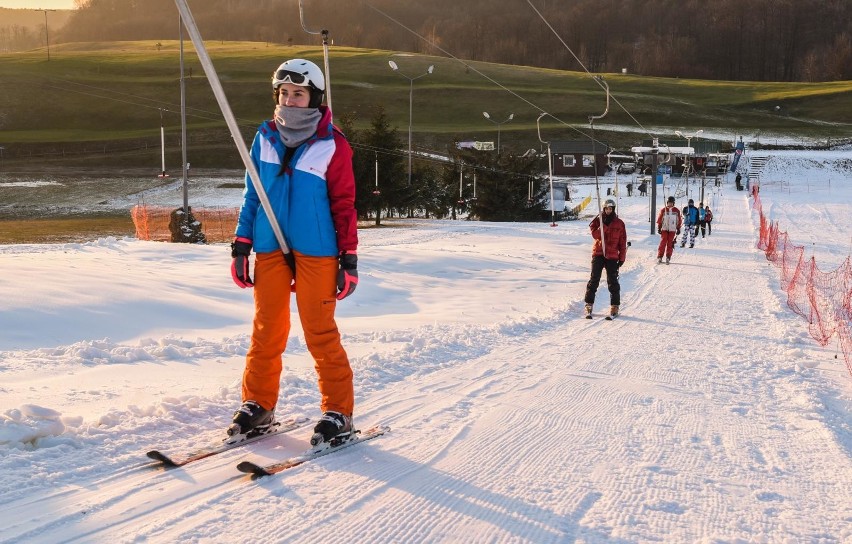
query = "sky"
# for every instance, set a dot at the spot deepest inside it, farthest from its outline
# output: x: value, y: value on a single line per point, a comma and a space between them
x: 38, y: 4
x: 704, y: 413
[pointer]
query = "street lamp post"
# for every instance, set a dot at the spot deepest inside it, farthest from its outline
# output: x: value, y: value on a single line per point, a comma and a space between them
x: 46, y: 35
x: 511, y: 116
x: 687, y: 162
x: 410, y: 79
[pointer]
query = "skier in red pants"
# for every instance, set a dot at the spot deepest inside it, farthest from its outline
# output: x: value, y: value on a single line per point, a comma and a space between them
x: 668, y: 227
x: 609, y: 258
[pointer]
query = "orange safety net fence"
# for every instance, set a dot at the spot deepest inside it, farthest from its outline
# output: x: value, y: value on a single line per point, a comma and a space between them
x: 824, y: 299
x: 152, y: 222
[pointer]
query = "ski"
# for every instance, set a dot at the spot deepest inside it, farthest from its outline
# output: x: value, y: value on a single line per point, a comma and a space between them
x: 323, y: 449
x: 180, y: 460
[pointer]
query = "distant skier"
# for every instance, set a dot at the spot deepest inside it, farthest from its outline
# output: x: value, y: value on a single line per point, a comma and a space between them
x: 702, y: 220
x: 668, y: 227
x: 305, y: 165
x: 690, y: 224
x: 610, y: 258
x: 708, y: 217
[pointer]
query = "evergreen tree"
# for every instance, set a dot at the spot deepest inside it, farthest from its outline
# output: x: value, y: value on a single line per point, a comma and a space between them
x: 508, y: 187
x: 377, y: 149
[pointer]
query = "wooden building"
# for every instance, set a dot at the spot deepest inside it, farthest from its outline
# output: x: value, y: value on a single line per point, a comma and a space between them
x: 579, y: 157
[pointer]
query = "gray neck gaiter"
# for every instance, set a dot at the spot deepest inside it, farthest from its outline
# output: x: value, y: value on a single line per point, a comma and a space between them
x: 296, y: 125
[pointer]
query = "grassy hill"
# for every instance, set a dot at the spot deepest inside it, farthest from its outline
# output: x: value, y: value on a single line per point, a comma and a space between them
x: 100, y: 103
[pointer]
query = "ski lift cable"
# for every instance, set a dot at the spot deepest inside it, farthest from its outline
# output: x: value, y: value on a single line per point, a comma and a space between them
x: 547, y: 23
x: 473, y: 68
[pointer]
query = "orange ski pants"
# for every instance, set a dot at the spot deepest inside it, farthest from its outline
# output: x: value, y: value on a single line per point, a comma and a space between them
x: 316, y: 290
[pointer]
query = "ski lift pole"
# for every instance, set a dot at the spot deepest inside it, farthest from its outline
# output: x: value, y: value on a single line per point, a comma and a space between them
x: 549, y: 170
x: 461, y: 181
x: 219, y: 93
x: 655, y: 169
x: 592, y: 118
x: 185, y: 165
x: 324, y: 34
x: 162, y: 147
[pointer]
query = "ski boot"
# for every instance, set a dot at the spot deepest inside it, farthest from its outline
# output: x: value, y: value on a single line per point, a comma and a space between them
x: 332, y: 427
x: 659, y: 260
x: 613, y: 311
x: 668, y: 260
x: 588, y: 311
x: 251, y: 419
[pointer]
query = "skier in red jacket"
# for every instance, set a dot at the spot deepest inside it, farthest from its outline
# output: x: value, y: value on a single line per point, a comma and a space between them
x: 610, y: 257
x: 708, y: 218
x: 669, y: 222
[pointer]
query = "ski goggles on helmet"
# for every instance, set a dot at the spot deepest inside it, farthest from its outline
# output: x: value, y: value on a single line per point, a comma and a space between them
x: 287, y: 76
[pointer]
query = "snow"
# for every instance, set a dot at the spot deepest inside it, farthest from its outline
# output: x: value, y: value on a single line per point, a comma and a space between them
x: 705, y: 413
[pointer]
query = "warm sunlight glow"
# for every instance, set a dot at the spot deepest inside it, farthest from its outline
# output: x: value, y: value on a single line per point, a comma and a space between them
x: 37, y: 4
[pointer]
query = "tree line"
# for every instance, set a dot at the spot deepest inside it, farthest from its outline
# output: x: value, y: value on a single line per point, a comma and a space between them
x: 23, y: 29
x: 756, y: 40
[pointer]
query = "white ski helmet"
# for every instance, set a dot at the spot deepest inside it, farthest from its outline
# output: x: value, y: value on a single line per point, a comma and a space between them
x: 303, y: 73
x: 610, y: 203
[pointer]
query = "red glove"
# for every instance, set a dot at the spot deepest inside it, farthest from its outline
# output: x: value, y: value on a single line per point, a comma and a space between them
x: 347, y: 276
x: 240, y: 251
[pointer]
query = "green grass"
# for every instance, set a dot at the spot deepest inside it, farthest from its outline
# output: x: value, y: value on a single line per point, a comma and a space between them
x: 112, y: 92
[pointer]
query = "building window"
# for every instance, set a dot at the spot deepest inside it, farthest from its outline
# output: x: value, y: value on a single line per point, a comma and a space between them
x: 568, y: 161
x: 588, y: 160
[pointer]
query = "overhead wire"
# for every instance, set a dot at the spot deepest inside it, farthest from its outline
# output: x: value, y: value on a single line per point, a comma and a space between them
x: 500, y: 85
x: 214, y: 116
x: 583, y: 66
x: 473, y: 68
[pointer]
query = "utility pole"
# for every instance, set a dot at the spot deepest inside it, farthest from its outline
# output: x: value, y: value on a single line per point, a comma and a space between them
x: 183, y: 122
x: 46, y: 34
x: 655, y: 154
